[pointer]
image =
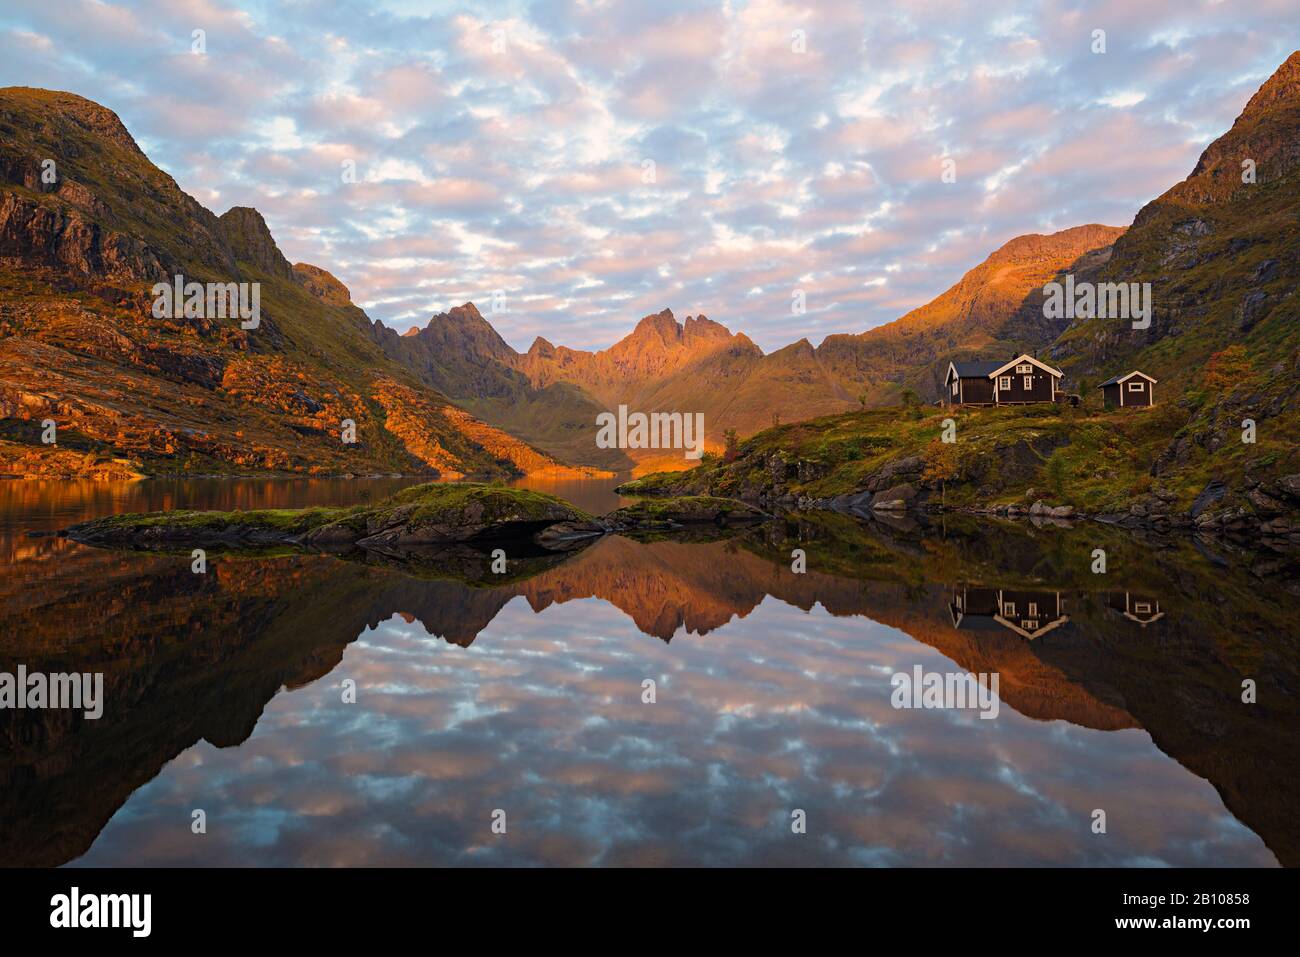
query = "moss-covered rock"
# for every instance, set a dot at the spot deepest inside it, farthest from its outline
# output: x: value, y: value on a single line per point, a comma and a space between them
x: 207, y: 529
x: 421, y: 515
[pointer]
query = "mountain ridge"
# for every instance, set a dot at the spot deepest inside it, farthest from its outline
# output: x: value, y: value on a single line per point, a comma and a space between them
x: 87, y: 225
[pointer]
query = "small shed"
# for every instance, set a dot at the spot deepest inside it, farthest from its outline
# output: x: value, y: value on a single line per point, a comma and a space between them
x: 1137, y: 389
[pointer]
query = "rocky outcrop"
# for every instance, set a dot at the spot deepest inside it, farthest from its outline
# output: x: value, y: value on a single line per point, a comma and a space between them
x: 321, y: 284
x: 57, y: 237
x: 250, y: 240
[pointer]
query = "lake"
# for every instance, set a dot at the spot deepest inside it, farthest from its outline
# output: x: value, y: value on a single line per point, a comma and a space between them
x: 658, y: 701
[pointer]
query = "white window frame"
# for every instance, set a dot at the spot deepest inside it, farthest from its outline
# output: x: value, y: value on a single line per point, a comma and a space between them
x: 1033, y: 609
x: 1004, y: 383
x: 1009, y: 609
x: 1029, y: 383
x: 1024, y: 369
x: 955, y: 385
x: 1137, y: 385
x: 1142, y: 608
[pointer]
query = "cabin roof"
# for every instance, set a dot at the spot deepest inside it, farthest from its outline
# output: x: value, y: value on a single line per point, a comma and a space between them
x: 1117, y: 379
x: 989, y: 368
x: 1026, y: 357
x: 975, y: 370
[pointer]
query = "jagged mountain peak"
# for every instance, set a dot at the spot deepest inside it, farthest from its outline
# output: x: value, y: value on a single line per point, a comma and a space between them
x: 465, y: 311
x: 662, y: 330
x: 251, y: 241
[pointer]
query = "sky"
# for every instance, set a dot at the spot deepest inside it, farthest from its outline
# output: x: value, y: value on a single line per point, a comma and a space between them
x: 573, y: 166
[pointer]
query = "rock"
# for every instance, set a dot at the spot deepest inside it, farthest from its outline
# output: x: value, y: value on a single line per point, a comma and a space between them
x: 851, y: 502
x: 1063, y: 511
x: 901, y: 470
x: 894, y: 499
x: 1212, y: 493
x: 1265, y: 505
x: 810, y: 470
x: 1265, y: 272
x: 565, y: 535
x: 1251, y: 309
x: 776, y: 467
x: 1288, y: 486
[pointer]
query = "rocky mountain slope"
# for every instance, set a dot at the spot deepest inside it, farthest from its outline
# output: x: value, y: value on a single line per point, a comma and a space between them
x: 995, y: 311
x: 87, y: 226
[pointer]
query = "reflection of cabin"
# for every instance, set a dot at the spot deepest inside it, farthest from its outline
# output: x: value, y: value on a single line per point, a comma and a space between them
x: 1027, y: 613
x: 1137, y: 608
x: 1021, y: 380
x: 1123, y: 391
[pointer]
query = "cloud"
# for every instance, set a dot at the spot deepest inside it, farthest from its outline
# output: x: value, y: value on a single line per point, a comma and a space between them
x: 597, y: 159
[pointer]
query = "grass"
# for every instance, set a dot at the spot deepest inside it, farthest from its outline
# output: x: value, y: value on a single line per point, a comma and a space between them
x: 1095, y: 460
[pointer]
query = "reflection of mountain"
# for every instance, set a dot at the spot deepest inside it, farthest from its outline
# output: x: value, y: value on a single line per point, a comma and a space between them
x: 189, y: 657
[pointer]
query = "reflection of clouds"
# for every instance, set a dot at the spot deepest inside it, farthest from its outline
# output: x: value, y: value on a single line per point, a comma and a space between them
x: 542, y: 717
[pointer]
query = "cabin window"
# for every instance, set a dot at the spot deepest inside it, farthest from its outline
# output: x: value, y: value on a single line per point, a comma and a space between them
x: 1142, y: 607
x: 1029, y: 625
x: 1005, y: 383
x: 1024, y: 369
x: 1033, y: 609
x: 1009, y: 609
x: 1029, y: 383
x: 954, y: 386
x: 1136, y: 386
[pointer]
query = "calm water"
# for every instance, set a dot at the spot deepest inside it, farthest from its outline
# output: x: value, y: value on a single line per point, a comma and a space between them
x: 224, y: 692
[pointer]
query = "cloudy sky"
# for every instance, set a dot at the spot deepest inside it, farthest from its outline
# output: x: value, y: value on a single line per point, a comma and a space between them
x: 598, y: 161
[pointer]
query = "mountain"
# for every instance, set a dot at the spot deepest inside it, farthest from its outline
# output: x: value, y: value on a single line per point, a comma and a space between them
x: 87, y: 226
x: 551, y: 395
x: 995, y: 311
x: 1217, y: 453
x: 1222, y: 256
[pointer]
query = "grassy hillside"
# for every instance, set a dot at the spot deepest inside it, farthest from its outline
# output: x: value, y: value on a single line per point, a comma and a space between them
x: 1098, y: 462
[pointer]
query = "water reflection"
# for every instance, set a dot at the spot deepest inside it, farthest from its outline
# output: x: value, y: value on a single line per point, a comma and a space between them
x: 772, y: 693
